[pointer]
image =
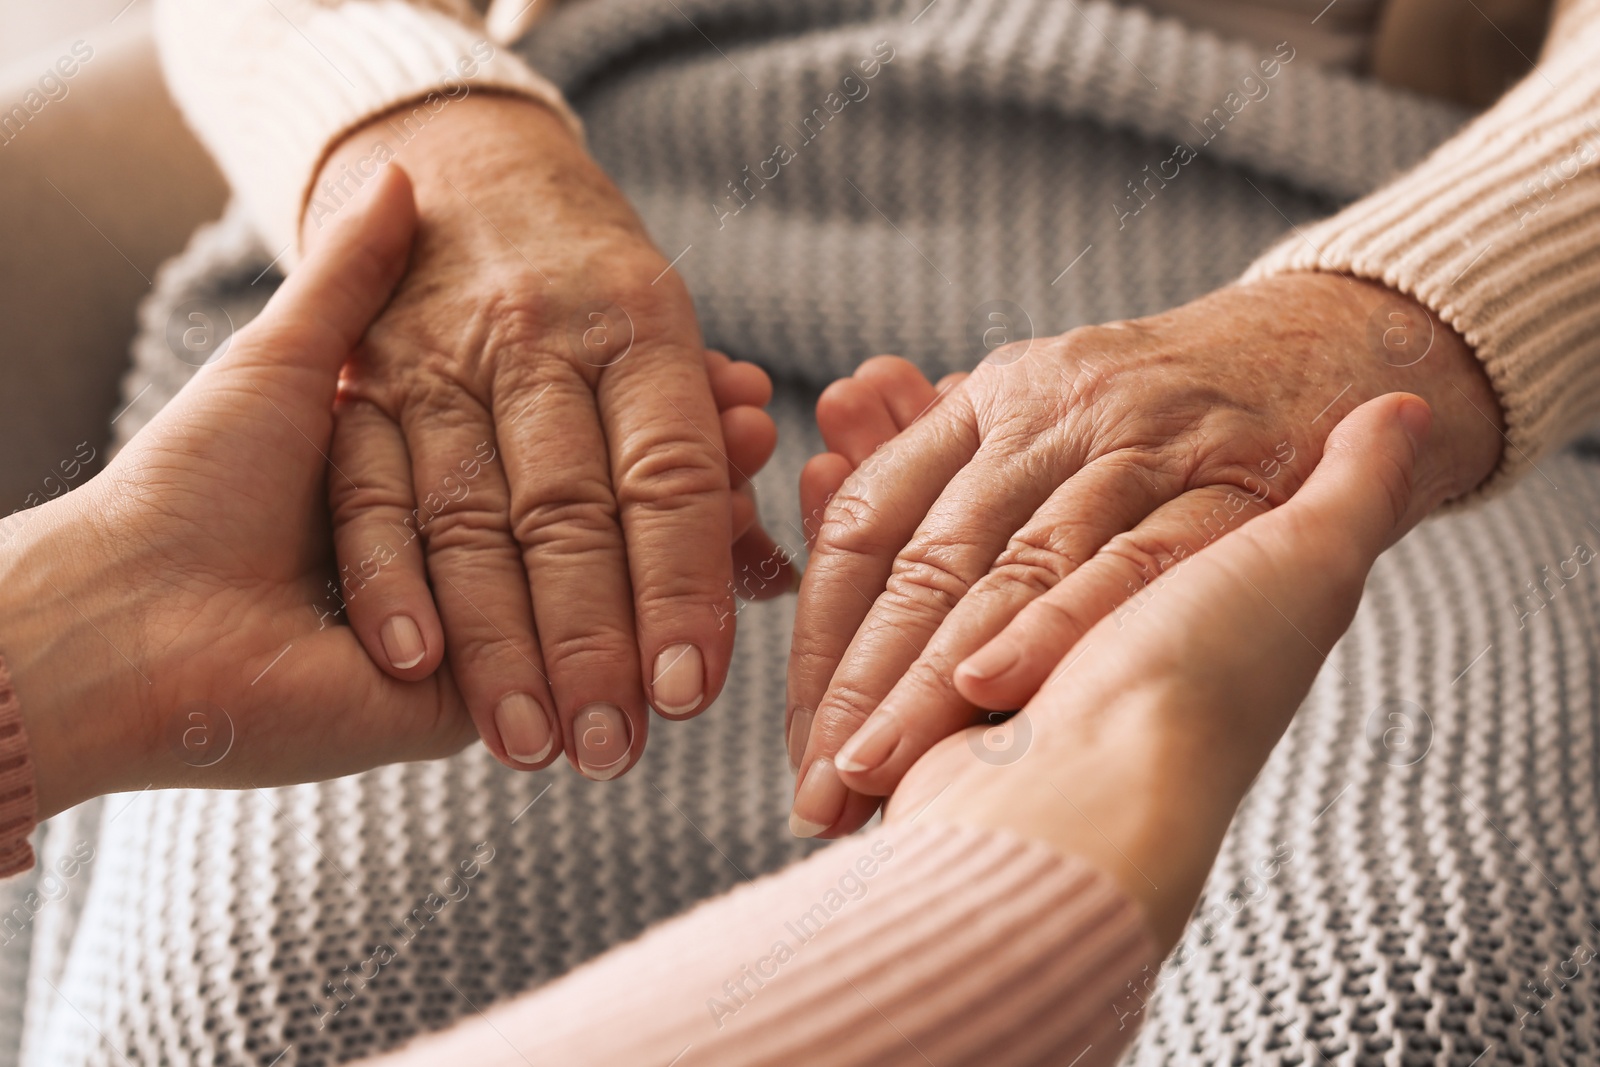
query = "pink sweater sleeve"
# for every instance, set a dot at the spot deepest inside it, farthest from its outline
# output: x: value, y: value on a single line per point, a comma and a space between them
x: 18, y: 810
x: 909, y: 946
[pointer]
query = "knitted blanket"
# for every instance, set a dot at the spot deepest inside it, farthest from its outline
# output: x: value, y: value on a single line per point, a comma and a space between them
x: 1409, y: 880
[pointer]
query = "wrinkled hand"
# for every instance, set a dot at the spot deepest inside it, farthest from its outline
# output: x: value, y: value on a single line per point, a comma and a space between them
x: 958, y: 563
x: 160, y: 622
x: 530, y: 473
x: 1138, y: 755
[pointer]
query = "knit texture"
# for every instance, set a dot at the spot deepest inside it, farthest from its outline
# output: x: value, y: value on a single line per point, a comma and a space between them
x: 1499, y: 233
x: 332, y: 67
x: 913, y: 945
x: 19, y: 808
x: 1362, y: 911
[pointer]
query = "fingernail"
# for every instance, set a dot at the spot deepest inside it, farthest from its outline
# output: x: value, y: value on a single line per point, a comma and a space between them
x: 799, y: 733
x: 1416, y: 420
x: 679, y: 683
x: 604, y: 736
x: 871, y: 745
x: 820, y: 802
x: 991, y: 661
x: 402, y: 642
x: 524, y: 728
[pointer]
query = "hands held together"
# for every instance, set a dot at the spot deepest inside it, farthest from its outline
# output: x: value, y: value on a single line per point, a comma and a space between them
x: 971, y: 535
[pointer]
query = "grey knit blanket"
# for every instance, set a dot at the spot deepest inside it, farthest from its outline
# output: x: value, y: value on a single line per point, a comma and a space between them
x: 1409, y: 881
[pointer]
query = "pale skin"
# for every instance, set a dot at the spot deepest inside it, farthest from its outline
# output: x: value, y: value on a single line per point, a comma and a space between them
x: 983, y: 535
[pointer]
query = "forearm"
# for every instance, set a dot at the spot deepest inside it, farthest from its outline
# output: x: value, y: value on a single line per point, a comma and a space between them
x: 1498, y: 232
x: 271, y: 85
x: 910, y: 945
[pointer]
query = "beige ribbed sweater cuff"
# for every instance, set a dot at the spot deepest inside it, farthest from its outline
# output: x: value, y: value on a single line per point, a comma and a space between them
x: 1499, y: 233
x: 909, y: 946
x: 272, y: 85
x: 19, y: 809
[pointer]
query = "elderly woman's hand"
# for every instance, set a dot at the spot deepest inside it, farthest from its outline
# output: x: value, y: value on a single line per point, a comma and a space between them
x: 587, y: 572
x: 1136, y: 757
x: 960, y: 561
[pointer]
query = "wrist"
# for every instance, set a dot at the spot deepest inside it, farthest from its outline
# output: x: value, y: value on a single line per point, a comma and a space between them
x: 79, y: 699
x: 472, y: 158
x: 1377, y: 340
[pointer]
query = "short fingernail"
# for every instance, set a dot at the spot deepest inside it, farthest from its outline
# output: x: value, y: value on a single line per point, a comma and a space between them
x: 680, y: 679
x: 402, y: 642
x: 799, y: 733
x: 820, y: 801
x: 1415, y: 419
x: 524, y: 728
x: 871, y: 745
x: 603, y: 736
x: 991, y: 661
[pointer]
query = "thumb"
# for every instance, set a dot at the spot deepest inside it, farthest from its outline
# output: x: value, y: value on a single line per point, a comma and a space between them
x: 294, y: 349
x: 1308, y: 558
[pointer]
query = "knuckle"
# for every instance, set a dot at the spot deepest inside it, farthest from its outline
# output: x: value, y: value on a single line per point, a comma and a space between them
x: 465, y: 527
x: 1130, y: 552
x: 371, y: 500
x: 598, y: 649
x: 843, y: 711
x: 852, y: 525
x: 671, y: 475
x: 923, y: 581
x: 1036, y: 560
x: 583, y: 518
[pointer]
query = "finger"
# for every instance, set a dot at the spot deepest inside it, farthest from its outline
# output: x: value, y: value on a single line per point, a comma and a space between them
x: 670, y: 470
x: 763, y: 569
x: 749, y: 436
x: 954, y: 547
x: 821, y: 477
x: 735, y: 383
x: 1012, y: 666
x: 564, y: 518
x: 293, y: 351
x: 854, y: 419
x: 382, y: 576
x: 1291, y: 580
x: 866, y: 524
x: 476, y: 572
x: 905, y: 390
x: 1108, y: 497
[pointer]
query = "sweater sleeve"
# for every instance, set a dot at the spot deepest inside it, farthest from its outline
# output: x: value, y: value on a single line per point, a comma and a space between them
x: 909, y: 946
x: 270, y: 86
x: 19, y: 811
x: 1498, y: 232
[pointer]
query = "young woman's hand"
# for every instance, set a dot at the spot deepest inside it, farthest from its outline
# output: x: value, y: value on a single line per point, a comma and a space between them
x: 168, y: 622
x: 1136, y: 754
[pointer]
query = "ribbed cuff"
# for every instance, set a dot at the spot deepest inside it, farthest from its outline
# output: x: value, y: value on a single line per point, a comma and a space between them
x: 912, y: 945
x: 19, y: 809
x: 1498, y: 232
x: 271, y: 109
